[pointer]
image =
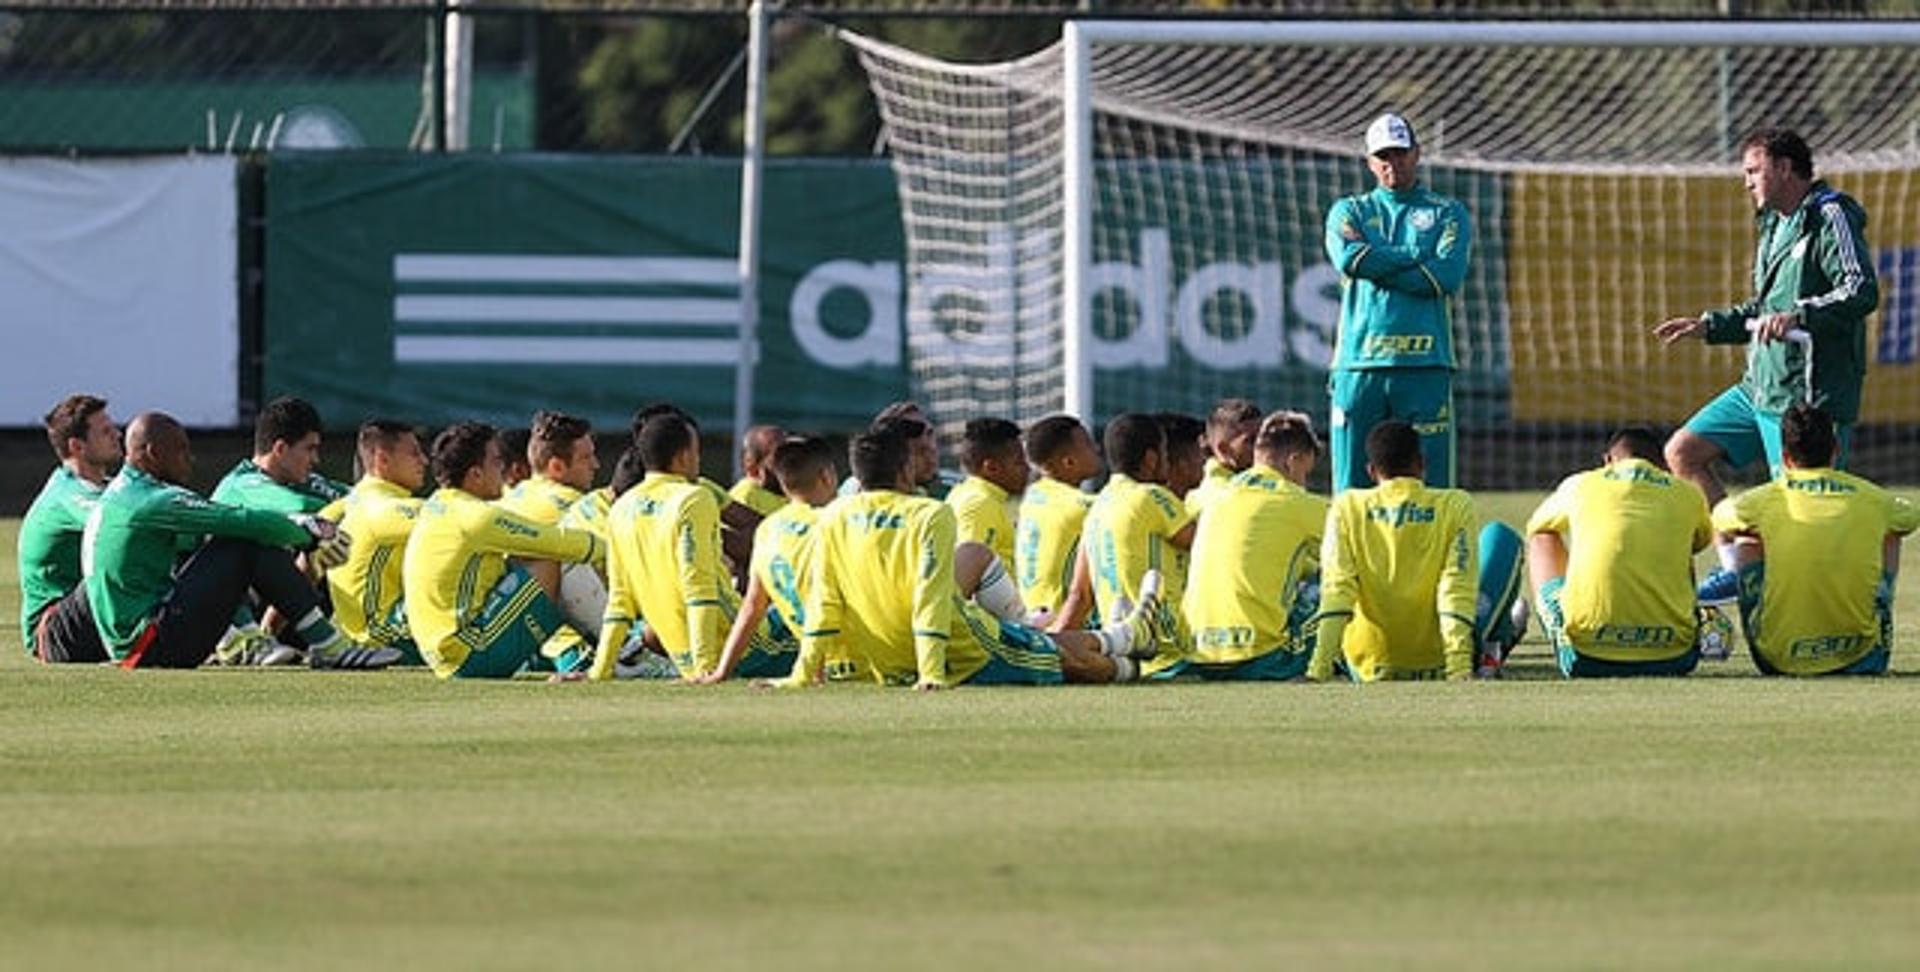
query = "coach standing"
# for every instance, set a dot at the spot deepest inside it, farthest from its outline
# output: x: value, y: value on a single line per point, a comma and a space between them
x: 1811, y: 273
x: 1401, y: 250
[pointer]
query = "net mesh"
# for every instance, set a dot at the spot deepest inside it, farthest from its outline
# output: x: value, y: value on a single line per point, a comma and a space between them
x: 1602, y: 183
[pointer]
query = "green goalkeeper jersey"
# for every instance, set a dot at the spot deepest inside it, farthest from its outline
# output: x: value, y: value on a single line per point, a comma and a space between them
x: 132, y: 540
x: 50, y: 545
x: 1402, y: 255
x: 250, y: 487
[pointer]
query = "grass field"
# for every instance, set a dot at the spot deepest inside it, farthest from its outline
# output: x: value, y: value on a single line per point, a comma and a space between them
x: 232, y: 818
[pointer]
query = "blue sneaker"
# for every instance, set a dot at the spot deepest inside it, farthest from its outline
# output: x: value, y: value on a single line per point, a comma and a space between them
x: 1721, y: 587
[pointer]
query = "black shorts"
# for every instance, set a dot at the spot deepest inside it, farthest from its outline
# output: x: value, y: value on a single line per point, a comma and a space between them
x: 66, y: 634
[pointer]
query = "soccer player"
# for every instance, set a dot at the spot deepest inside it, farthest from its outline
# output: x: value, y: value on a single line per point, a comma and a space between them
x: 281, y: 476
x: 665, y: 566
x: 474, y: 612
x: 984, y: 504
x: 1255, y: 552
x: 1817, y: 556
x: 884, y: 590
x: 565, y: 460
x: 1813, y: 275
x: 151, y: 611
x: 1399, y: 595
x: 87, y: 443
x: 1230, y: 432
x: 379, y: 514
x: 590, y: 512
x: 1401, y: 250
x: 1611, y: 557
x: 1185, y: 465
x: 756, y: 452
x: 737, y: 520
x: 1053, y: 511
x: 928, y: 478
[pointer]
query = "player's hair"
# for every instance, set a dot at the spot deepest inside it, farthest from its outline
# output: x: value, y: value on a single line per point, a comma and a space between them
x: 1184, y: 433
x: 514, y: 443
x: 1228, y: 415
x: 663, y: 437
x: 1782, y: 143
x: 68, y: 420
x: 628, y: 470
x: 1393, y: 448
x: 1129, y: 437
x: 553, y: 435
x: 757, y: 445
x: 1286, y: 433
x: 880, y: 456
x: 285, y: 419
x: 987, y: 438
x: 800, y: 459
x: 1640, y: 442
x: 1051, y: 436
x: 905, y: 408
x: 1807, y: 436
x: 459, y: 448
x: 379, y: 433
x: 647, y: 412
x: 906, y: 427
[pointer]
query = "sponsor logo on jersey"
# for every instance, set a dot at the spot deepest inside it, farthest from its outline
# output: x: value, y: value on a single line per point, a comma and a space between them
x: 1389, y: 345
x: 1635, y: 635
x: 1827, y: 646
x: 1402, y: 514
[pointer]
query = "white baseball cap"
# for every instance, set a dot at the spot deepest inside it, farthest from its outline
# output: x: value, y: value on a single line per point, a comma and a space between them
x: 1389, y: 131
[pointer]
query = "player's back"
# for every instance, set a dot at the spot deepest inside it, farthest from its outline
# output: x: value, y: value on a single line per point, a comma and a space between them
x: 542, y: 500
x: 984, y: 513
x: 666, y: 534
x: 49, y: 544
x: 449, y: 568
x: 1047, y: 540
x: 379, y: 516
x: 1259, y: 538
x: 1129, y: 531
x: 1399, y: 555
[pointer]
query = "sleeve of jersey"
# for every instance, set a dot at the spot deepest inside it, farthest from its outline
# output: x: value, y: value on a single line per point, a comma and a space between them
x: 1447, y: 269
x: 1842, y: 253
x: 1339, y: 590
x: 617, y: 621
x: 1728, y: 325
x: 1459, y: 588
x: 933, y: 594
x: 697, y: 560
x: 185, y: 513
x: 335, y: 511
x: 515, y: 535
x: 1554, y: 513
x: 1356, y: 255
x: 824, y: 607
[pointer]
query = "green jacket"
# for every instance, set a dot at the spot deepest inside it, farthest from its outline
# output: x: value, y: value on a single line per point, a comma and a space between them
x: 134, y: 535
x: 1402, y: 255
x: 50, y: 545
x: 249, y: 486
x: 1813, y: 262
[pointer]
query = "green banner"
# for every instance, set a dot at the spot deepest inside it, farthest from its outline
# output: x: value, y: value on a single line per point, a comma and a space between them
x: 488, y: 287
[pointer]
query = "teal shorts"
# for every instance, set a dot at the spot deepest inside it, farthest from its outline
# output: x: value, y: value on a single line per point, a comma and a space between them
x: 1753, y: 579
x: 1279, y: 665
x: 1573, y: 664
x: 1745, y: 433
x: 1364, y: 397
x: 394, y: 634
x: 1020, y: 656
x: 506, y: 635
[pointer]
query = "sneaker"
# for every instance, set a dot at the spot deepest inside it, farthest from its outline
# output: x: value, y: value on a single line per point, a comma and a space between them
x: 1147, y: 622
x: 644, y: 664
x: 280, y: 655
x: 1721, y: 587
x: 1716, y: 635
x: 243, y: 649
x: 352, y: 657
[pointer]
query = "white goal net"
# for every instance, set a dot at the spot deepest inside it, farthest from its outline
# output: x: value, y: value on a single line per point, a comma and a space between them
x: 1599, y: 168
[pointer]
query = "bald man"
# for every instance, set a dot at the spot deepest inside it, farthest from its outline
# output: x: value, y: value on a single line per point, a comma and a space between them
x: 757, y: 487
x: 150, y: 613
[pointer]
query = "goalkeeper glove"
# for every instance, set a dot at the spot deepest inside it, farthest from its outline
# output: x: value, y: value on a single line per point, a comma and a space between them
x: 330, y: 545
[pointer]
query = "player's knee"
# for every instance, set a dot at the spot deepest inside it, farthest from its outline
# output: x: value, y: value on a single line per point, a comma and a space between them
x: 1687, y: 452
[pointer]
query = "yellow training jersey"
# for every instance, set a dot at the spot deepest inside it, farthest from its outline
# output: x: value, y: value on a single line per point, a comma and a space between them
x: 379, y: 516
x: 1631, y: 530
x: 1822, y: 530
x: 984, y: 514
x: 1212, y: 486
x: 884, y: 591
x: 756, y: 497
x: 589, y: 513
x: 1259, y: 539
x: 664, y: 566
x: 1047, y: 540
x: 1129, y: 531
x: 785, y: 548
x: 457, y: 553
x: 1399, y: 560
x: 542, y: 500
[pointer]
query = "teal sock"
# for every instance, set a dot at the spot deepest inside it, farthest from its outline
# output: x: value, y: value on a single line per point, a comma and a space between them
x: 318, y: 632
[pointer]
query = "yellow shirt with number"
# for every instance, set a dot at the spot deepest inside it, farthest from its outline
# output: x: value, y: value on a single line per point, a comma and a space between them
x: 1823, y: 530
x: 1398, y: 579
x: 664, y: 566
x: 1258, y: 540
x: 1631, y: 530
x: 785, y: 549
x: 984, y: 514
x: 379, y: 516
x: 1047, y: 540
x: 1129, y: 531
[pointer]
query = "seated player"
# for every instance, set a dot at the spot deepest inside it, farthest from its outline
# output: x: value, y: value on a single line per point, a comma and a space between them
x: 1185, y: 462
x: 985, y: 502
x: 1230, y: 431
x: 152, y: 611
x: 665, y: 566
x: 1400, y: 579
x: 565, y: 459
x: 1817, y: 551
x: 514, y: 445
x: 473, y: 611
x: 757, y: 486
x: 1255, y: 554
x: 1053, y: 512
x: 737, y: 520
x: 884, y: 591
x: 379, y: 514
x: 1137, y: 526
x: 1611, y: 556
x: 589, y: 513
x: 88, y: 444
x: 928, y: 478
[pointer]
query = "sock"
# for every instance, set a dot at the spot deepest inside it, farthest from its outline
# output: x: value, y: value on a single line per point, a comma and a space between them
x: 998, y: 594
x: 318, y: 632
x: 1125, y: 670
x: 1727, y: 559
x: 1116, y: 642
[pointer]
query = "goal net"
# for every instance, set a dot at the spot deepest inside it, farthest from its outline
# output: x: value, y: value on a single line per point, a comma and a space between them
x: 1599, y: 164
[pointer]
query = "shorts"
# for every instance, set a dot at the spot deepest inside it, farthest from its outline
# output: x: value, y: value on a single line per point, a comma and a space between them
x: 1745, y: 433
x: 506, y: 635
x: 1753, y: 583
x: 1573, y: 664
x: 393, y: 633
x: 1279, y: 665
x: 64, y: 632
x: 1364, y: 397
x: 1019, y: 656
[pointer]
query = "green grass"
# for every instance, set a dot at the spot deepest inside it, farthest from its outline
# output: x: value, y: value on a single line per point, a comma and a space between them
x: 295, y: 820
